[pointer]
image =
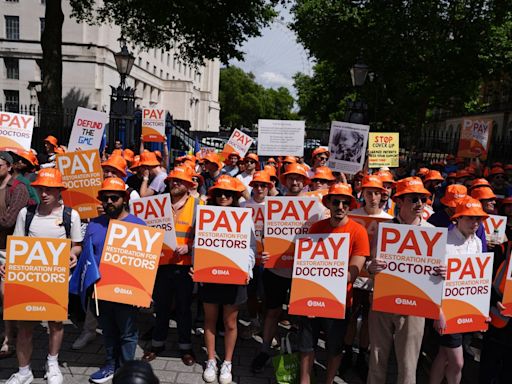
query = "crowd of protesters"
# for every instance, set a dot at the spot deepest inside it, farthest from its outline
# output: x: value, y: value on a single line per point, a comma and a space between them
x: 455, y: 193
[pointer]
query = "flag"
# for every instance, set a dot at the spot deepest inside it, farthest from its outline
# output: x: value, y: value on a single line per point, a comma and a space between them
x: 197, y: 146
x: 86, y: 272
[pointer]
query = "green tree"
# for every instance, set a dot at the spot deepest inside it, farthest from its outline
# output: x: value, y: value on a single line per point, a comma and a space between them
x: 196, y: 29
x: 425, y: 54
x: 243, y: 101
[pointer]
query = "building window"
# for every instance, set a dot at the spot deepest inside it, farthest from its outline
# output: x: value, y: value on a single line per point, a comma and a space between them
x: 12, y: 101
x: 162, y: 55
x: 174, y: 63
x: 179, y: 67
x: 147, y: 65
x: 12, y: 1
x: 41, y: 25
x: 167, y: 75
x: 43, y: 2
x: 154, y: 53
x: 12, y: 27
x: 12, y: 67
x: 140, y: 62
x: 161, y: 74
x: 154, y: 69
x: 168, y: 59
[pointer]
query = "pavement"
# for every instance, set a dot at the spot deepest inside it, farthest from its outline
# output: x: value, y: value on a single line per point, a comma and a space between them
x: 76, y: 366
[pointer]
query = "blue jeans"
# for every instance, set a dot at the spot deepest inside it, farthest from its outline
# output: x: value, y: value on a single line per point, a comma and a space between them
x: 173, y: 283
x: 119, y: 324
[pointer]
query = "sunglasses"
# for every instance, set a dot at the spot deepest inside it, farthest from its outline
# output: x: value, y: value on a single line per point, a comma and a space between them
x: 337, y: 202
x: 319, y: 180
x: 417, y: 199
x: 323, y: 158
x: 106, y: 198
x: 222, y: 192
x: 271, y: 163
x: 260, y: 185
x: 249, y: 162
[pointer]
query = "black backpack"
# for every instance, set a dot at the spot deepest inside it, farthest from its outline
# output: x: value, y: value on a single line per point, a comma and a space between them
x: 66, y: 219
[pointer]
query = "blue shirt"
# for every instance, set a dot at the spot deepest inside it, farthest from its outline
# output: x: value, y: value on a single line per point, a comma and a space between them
x: 97, y: 229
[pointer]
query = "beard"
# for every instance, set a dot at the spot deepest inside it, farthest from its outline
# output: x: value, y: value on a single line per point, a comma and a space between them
x: 112, y: 211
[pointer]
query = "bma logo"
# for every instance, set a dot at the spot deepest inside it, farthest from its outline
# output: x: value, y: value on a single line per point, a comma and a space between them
x: 123, y: 291
x: 410, y: 302
x: 287, y: 258
x: 223, y: 272
x: 314, y: 303
x: 35, y: 308
x: 465, y: 321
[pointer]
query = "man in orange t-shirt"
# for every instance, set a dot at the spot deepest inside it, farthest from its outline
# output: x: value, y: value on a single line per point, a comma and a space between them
x: 338, y: 200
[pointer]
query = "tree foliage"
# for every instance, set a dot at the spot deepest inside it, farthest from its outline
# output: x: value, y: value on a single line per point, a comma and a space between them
x: 243, y: 101
x: 425, y: 54
x: 197, y: 29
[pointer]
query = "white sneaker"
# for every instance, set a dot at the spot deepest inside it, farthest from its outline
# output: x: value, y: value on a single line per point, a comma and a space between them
x: 18, y: 379
x: 85, y: 338
x: 210, y: 371
x: 225, y: 373
x: 53, y: 374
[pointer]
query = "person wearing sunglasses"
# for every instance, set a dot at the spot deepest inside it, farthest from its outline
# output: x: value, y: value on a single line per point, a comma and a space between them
x: 461, y: 241
x: 387, y: 329
x: 231, y: 167
x: 319, y: 158
x: 47, y: 219
x: 338, y: 200
x: 498, y: 182
x: 118, y: 321
x: 321, y: 179
x: 252, y: 164
x: 115, y: 166
x: 224, y: 193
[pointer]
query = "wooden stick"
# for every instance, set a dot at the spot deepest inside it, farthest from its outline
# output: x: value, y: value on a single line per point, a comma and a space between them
x: 96, y: 301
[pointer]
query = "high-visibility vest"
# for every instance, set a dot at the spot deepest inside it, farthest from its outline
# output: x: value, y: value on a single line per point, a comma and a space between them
x: 498, y: 285
x: 184, y: 225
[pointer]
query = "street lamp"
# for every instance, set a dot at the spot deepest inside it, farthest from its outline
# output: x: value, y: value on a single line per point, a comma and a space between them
x: 124, y: 61
x: 357, y: 111
x: 358, y: 73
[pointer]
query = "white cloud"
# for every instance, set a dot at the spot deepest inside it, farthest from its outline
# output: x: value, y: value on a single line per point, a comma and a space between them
x: 274, y: 79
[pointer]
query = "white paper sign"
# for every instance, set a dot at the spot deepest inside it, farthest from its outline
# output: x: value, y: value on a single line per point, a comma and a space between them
x: 281, y: 137
x: 239, y: 142
x: 87, y: 129
x: 347, y: 144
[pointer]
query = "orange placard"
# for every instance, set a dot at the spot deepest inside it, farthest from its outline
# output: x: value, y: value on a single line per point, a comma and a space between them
x: 411, y: 283
x: 467, y: 292
x: 285, y: 219
x: 129, y: 263
x: 475, y: 137
x: 222, y: 244
x: 507, y: 290
x: 258, y: 218
x: 153, y: 124
x: 82, y: 175
x: 319, y: 279
x: 36, y: 279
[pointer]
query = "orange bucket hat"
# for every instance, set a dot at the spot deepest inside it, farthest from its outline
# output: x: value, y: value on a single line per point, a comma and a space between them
x: 479, y: 183
x: 410, y: 185
x: 52, y: 140
x: 453, y: 194
x: 149, y: 159
x: 496, y: 171
x: 49, y: 177
x: 135, y: 163
x: 319, y: 151
x: 213, y: 158
x: 226, y: 183
x: 232, y: 153
x: 128, y: 155
x: 339, y: 189
x: 158, y: 155
x: 27, y: 155
x: 422, y: 172
x: 434, y: 175
x: 451, y: 175
x: 290, y: 159
x: 506, y: 200
x: 482, y: 193
x: 372, y: 181
x: 462, y: 173
x: 386, y: 177
x: 117, y: 152
x: 271, y: 160
x: 469, y: 207
x: 253, y: 157
x: 324, y: 173
x: 261, y: 177
x: 113, y: 184
x: 296, y: 169
x: 117, y: 162
x: 182, y: 173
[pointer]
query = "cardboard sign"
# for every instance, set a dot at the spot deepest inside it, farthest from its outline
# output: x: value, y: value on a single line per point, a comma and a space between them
x: 153, y: 124
x: 285, y: 219
x: 319, y: 280
x: 222, y: 244
x: 383, y: 149
x: 495, y: 227
x: 36, y: 279
x: 239, y: 142
x: 475, y: 137
x: 258, y: 218
x: 427, y: 212
x: 87, y: 129
x: 82, y: 175
x: 347, y: 144
x: 467, y: 292
x: 16, y: 130
x: 156, y: 211
x: 411, y: 283
x: 129, y: 263
x: 281, y: 137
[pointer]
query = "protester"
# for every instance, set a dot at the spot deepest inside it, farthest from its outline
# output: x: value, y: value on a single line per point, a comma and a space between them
x: 339, y: 200
x: 47, y: 159
x: 231, y: 168
x: 48, y: 219
x: 498, y: 181
x: 252, y: 164
x: 115, y: 166
x: 153, y: 175
x: 23, y: 168
x: 321, y: 179
x: 319, y: 158
x: 212, y: 167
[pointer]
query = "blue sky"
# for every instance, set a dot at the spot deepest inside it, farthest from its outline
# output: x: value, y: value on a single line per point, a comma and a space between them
x: 275, y: 56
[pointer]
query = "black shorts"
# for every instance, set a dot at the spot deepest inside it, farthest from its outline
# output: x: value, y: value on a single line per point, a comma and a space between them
x: 276, y: 289
x: 453, y: 340
x: 253, y: 289
x: 335, y: 329
x: 223, y: 294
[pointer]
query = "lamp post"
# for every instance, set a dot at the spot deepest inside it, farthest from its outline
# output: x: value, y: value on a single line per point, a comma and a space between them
x: 122, y: 101
x: 357, y: 111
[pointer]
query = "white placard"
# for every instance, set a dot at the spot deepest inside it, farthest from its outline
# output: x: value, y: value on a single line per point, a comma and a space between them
x: 281, y: 137
x: 347, y: 144
x: 87, y: 129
